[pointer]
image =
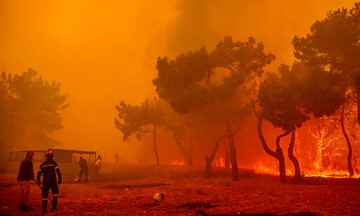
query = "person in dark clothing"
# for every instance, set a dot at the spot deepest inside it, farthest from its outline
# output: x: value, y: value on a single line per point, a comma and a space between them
x: 26, y: 173
x: 48, y: 169
x: 83, y: 169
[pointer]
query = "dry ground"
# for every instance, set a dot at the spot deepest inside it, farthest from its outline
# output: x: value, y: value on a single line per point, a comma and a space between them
x: 187, y: 193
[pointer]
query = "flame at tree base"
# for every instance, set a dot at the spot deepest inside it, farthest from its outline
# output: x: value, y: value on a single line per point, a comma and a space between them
x: 260, y: 168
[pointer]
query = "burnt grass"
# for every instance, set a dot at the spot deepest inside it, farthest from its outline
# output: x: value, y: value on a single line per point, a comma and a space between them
x: 130, y: 191
x: 134, y: 186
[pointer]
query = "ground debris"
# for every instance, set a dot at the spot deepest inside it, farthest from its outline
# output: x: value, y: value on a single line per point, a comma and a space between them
x: 197, y: 205
x: 151, y: 204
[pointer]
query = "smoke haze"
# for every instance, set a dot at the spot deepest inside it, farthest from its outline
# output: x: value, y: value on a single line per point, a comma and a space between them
x: 105, y: 51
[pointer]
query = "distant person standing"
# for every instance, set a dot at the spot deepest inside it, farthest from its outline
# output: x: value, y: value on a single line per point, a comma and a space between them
x: 83, y: 169
x: 98, y: 165
x: 26, y: 173
x: 48, y: 169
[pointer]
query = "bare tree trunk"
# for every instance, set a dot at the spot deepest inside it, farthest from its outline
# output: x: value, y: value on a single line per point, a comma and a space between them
x: 293, y: 159
x: 227, y: 155
x: 208, y: 162
x: 209, y: 159
x: 358, y: 113
x: 186, y: 154
x: 155, y: 148
x: 280, y: 157
x: 351, y: 171
x: 262, y: 139
x: 234, y: 167
x: 358, y: 106
x: 278, y: 154
x: 190, y: 153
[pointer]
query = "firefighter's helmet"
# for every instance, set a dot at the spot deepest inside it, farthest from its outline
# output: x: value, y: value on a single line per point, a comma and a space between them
x: 49, y: 153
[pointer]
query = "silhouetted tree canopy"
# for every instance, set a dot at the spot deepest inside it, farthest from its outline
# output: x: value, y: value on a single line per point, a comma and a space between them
x: 30, y: 109
x: 185, y: 81
x: 281, y: 100
x: 138, y: 119
x: 290, y: 97
x: 198, y: 79
x: 332, y: 51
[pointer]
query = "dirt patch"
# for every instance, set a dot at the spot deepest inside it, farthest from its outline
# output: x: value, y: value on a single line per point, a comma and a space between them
x: 267, y: 214
x: 251, y: 195
x: 197, y: 205
x: 151, y: 204
x: 135, y: 185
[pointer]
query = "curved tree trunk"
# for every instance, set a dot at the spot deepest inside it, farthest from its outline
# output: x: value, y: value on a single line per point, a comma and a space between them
x: 293, y: 159
x: 208, y: 162
x: 209, y: 159
x: 281, y: 158
x: 358, y: 106
x: 358, y: 113
x: 186, y: 154
x: 234, y: 167
x: 278, y: 154
x: 351, y: 171
x: 155, y: 147
x: 227, y: 155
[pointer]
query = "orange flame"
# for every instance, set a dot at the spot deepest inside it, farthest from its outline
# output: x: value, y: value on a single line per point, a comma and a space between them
x: 178, y: 163
x: 219, y: 162
x: 260, y: 168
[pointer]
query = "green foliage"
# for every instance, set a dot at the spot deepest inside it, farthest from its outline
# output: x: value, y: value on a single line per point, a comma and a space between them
x: 138, y: 119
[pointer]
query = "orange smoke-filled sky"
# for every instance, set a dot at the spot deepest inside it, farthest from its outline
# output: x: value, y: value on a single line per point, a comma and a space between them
x: 105, y: 51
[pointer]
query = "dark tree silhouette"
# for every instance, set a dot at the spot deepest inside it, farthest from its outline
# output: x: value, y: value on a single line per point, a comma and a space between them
x: 178, y: 131
x: 29, y: 107
x: 6, y: 114
x: 347, y: 139
x: 333, y: 45
x: 140, y: 120
x: 186, y: 81
x: 279, y: 100
x: 288, y: 99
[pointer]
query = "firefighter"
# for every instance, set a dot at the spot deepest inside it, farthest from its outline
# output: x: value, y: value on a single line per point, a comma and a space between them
x: 26, y: 173
x: 83, y: 169
x: 48, y: 169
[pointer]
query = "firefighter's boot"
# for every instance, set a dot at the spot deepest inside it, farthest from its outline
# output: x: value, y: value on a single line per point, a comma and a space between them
x: 44, y: 205
x: 54, y: 203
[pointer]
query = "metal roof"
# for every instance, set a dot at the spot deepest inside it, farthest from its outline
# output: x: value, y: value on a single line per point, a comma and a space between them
x: 53, y: 149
